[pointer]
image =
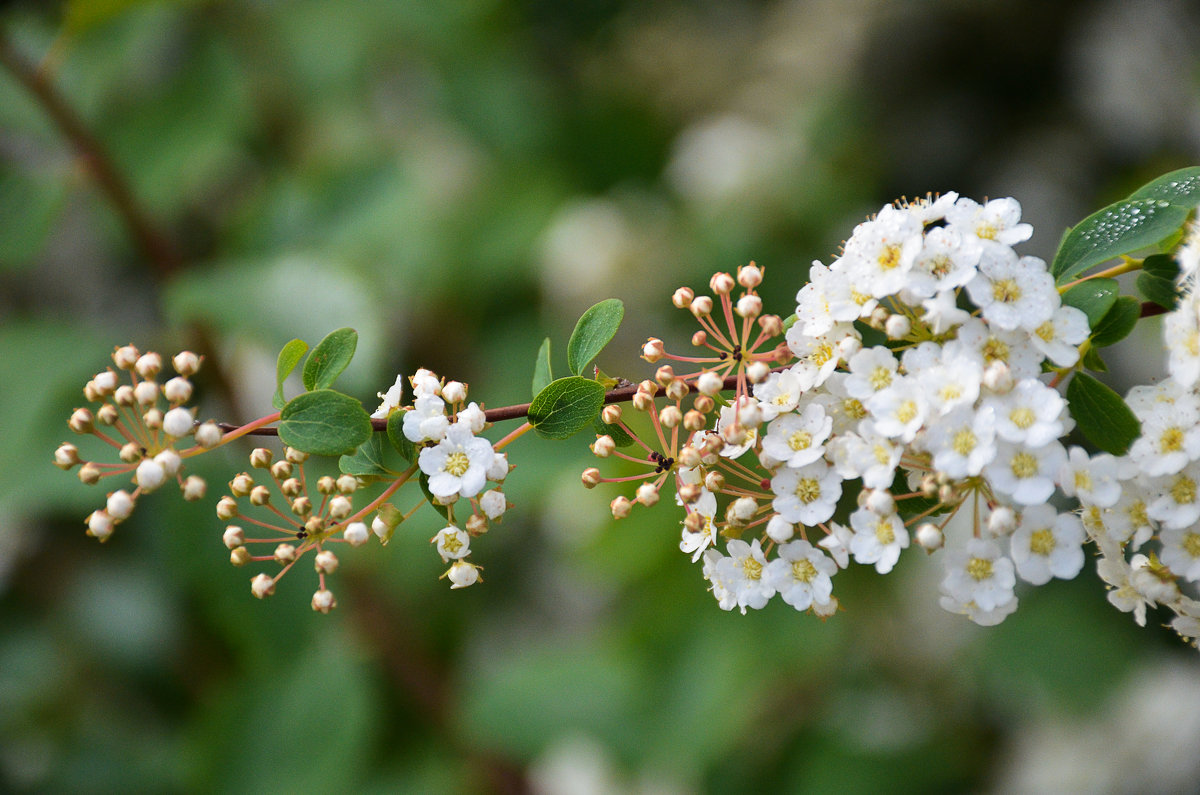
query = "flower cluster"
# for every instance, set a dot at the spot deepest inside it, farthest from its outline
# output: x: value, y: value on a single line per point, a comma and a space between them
x: 145, y: 422
x: 920, y: 374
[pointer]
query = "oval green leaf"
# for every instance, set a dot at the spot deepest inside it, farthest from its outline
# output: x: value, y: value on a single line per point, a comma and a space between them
x: 289, y: 356
x: 594, y: 330
x: 566, y: 406
x: 395, y: 435
x: 1178, y: 187
x: 331, y: 356
x: 373, y: 458
x: 1157, y: 280
x: 618, y: 434
x: 1102, y: 416
x: 1120, y: 228
x: 542, y: 374
x: 324, y: 422
x: 1094, y: 297
x: 1117, y: 323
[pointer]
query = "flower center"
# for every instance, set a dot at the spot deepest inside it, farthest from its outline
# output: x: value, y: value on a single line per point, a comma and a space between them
x: 1006, y: 291
x: 906, y: 412
x: 800, y: 440
x: 854, y: 408
x: 822, y: 353
x: 1183, y: 490
x: 980, y: 569
x: 1024, y: 465
x: 889, y: 258
x: 1171, y: 440
x: 803, y: 570
x: 964, y: 441
x: 1041, y: 542
x: 1045, y: 331
x: 1191, y: 544
x: 880, y: 378
x: 1083, y: 480
x: 995, y: 350
x: 457, y: 463
x: 884, y: 533
x: 752, y: 568
x: 808, y: 489
x: 1023, y: 417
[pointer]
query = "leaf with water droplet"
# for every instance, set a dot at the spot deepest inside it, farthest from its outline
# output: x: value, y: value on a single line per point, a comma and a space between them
x: 1122, y: 228
x: 1180, y: 187
x: 1094, y: 298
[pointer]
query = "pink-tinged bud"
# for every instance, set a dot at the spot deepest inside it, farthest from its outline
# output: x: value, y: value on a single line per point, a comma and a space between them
x: 91, y: 394
x: 1002, y: 521
x: 930, y: 537
x: 643, y: 402
x: 689, y: 457
x: 664, y: 375
x: 107, y: 414
x: 702, y: 306
x: 721, y: 283
x: 929, y: 486
x: 325, y: 562
x: 677, y: 390
x: 340, y: 507
x: 262, y: 586
x: 281, y: 470
x: 100, y: 525
x: 946, y: 494
x: 825, y: 609
x: 689, y: 492
x: 695, y: 521
x: 846, y: 348
x: 294, y: 455
x: 748, y: 306
x: 711, y: 449
x: 780, y: 530
x: 177, y: 390
x: 323, y: 601
x: 208, y: 435
x: 699, y: 339
x: 326, y: 485
x: 714, y: 481
x: 260, y: 495
x: 347, y: 484
x: 603, y: 447
x: 233, y: 537
x: 119, y: 505
x: 124, y: 396
x: 878, y: 317
x: 454, y: 392
x: 149, y: 475
x: 291, y: 487
x: 758, y: 371
x: 356, y: 534
x: 611, y: 414
x: 477, y: 524
x: 227, y: 508
x: 125, y: 357
x: 682, y: 298
x: 703, y: 404
x: 897, y: 327
x: 591, y: 477
x: 260, y: 458
x: 148, y: 364
x: 105, y: 383
x: 284, y: 554
x: 145, y: 393
x: 178, y: 422
x: 653, y: 350
x: 710, y: 383
x: 302, y: 505
x: 82, y: 421
x: 239, y: 557
x: 66, y: 456
x: 670, y: 416
x: 241, y: 484
x: 647, y: 494
x: 462, y: 574
x: 89, y: 474
x: 153, y: 419
x: 620, y: 507
x: 750, y: 276
x: 694, y: 421
x: 735, y: 434
x: 130, y: 452
x: 186, y: 363
x: 194, y: 488
x: 771, y: 325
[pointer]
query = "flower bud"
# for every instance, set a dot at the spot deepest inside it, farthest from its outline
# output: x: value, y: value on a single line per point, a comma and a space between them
x: 653, y: 350
x: 209, y: 435
x: 462, y: 574
x: 146, y: 393
x: 757, y: 371
x: 177, y: 390
x: 326, y: 485
x: 702, y: 306
x: 91, y: 393
x: 119, y: 505
x: 703, y: 404
x: 186, y: 363
x: 178, y: 422
x: 689, y: 492
x: 749, y: 276
x: 89, y: 474
x: 260, y: 458
x: 130, y: 452
x: 291, y: 487
x: 879, y: 502
x: 647, y: 494
x: 689, y: 457
x: 152, y: 419
x: 930, y: 537
x: 780, y: 530
x: 771, y: 325
x: 742, y: 509
x: 1002, y: 521
x: 694, y: 421
x: 170, y: 461
x: 591, y: 477
x: 340, y: 507
x: 148, y: 364
x: 302, y: 506
x: 233, y: 537
x: 710, y: 383
x: 670, y: 416
x: 497, y: 471
x: 454, y: 392
x: 66, y: 456
x: 100, y: 525
x: 643, y: 401
x: 347, y: 484
x: 620, y: 507
x: 241, y: 484
x: 227, y: 508
x: 82, y: 421
x: 125, y: 357
x: 998, y: 377
x: 262, y: 586
x: 714, y: 481
x: 603, y: 447
x: 493, y: 503
x: 682, y: 298
x: 240, y: 556
x: 611, y: 414
x: 149, y: 475
x: 825, y: 609
x: 694, y: 521
x: 356, y: 534
x: 699, y: 339
x: 260, y: 495
x: 735, y: 434
x: 107, y: 414
x: 281, y: 470
x: 721, y: 283
x: 124, y: 396
x: 382, y: 529
x: 749, y: 306
x: 284, y: 554
x: 294, y: 455
x: 477, y: 524
x: 194, y: 488
x: 845, y: 349
x: 326, y: 562
x: 677, y: 389
x: 106, y: 382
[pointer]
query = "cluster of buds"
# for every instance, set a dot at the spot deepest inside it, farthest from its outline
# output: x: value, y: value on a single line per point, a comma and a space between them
x: 149, y: 426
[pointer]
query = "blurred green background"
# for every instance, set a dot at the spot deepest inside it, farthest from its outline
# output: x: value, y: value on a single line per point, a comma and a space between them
x: 457, y: 181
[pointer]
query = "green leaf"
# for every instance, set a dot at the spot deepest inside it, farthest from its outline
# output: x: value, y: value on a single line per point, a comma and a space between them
x: 1157, y: 280
x: 442, y: 509
x: 1180, y: 187
x: 618, y: 434
x: 289, y: 357
x: 324, y: 422
x: 373, y: 458
x: 594, y: 330
x: 1094, y: 297
x: 331, y: 356
x: 395, y: 435
x: 542, y: 375
x: 1093, y: 361
x: 566, y: 406
x: 1121, y: 228
x: 1163, y: 266
x: 1117, y: 323
x: 1101, y: 414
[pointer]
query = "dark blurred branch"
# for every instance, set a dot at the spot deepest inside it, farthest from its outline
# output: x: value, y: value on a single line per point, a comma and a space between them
x: 155, y: 247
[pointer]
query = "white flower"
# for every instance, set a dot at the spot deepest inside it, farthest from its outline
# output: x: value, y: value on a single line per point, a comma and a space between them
x: 779, y: 394
x: 745, y: 412
x: 900, y: 410
x: 458, y: 464
x: 807, y: 495
x: 1047, y: 544
x: 953, y: 381
x: 723, y: 578
x: 818, y: 355
x: 997, y: 220
x: 425, y: 383
x: 1059, y: 337
x: 427, y: 422
x: 984, y: 618
x: 1181, y: 336
x: 946, y: 261
x: 798, y: 439
x: 1026, y: 473
x: 871, y: 370
x: 744, y: 569
x: 1013, y: 293
x: 1093, y: 481
x: 493, y: 503
x: 453, y: 543
x: 390, y: 399
x: 942, y: 312
x: 1170, y: 438
x: 801, y: 574
x: 992, y: 345
x: 963, y: 442
x: 881, y: 252
x: 473, y: 417
x: 462, y: 574
x: 1181, y: 552
x: 1030, y: 414
x: 837, y: 543
x: 877, y: 539
x: 979, y: 573
x: 696, y: 543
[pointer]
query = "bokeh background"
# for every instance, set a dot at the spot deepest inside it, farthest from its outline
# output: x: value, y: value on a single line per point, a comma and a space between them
x: 458, y: 181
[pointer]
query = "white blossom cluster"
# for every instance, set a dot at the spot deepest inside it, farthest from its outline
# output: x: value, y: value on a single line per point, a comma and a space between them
x: 958, y: 404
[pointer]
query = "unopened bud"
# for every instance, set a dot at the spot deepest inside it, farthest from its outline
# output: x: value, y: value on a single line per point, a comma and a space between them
x: 125, y: 357
x: 477, y: 524
x: 699, y: 339
x: 130, y: 452
x: 291, y: 487
x: 670, y: 416
x: 340, y: 507
x: 695, y: 521
x: 260, y: 458
x: 611, y: 414
x: 620, y: 507
x: 241, y: 484
x: 302, y: 506
x: 743, y: 509
x: 356, y: 534
x: 682, y: 297
x: 825, y: 609
x: 177, y: 390
x: 107, y: 414
x: 897, y: 327
x: 710, y: 383
x: 227, y: 508
x: 930, y: 537
x: 260, y: 495
x: 771, y: 325
x: 326, y: 562
x: 89, y: 474
x: 689, y: 492
x: 281, y: 470
x: 194, y: 488
x: 653, y: 350
x: 294, y: 455
x: 749, y: 276
x: 186, y: 363
x: 178, y: 422
x: 66, y: 456
x: 880, y: 502
x: 643, y: 401
x: 119, y: 505
x: 82, y: 421
x: 714, y: 481
x: 998, y: 377
x: 233, y: 537
x: 591, y: 477
x: 758, y: 371
x: 702, y: 306
x: 462, y: 574
x: 677, y: 390
x: 703, y: 404
x: 603, y: 447
x: 149, y: 475
x: 721, y: 283
x: 748, y: 306
x: 148, y: 364
x: 100, y: 525
x: 780, y: 530
x: 145, y: 393
x: 240, y: 556
x: 1002, y: 521
x: 262, y: 586
x: 209, y: 435
x: 689, y: 457
x: 647, y: 494
x: 153, y: 418
x: 326, y: 485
